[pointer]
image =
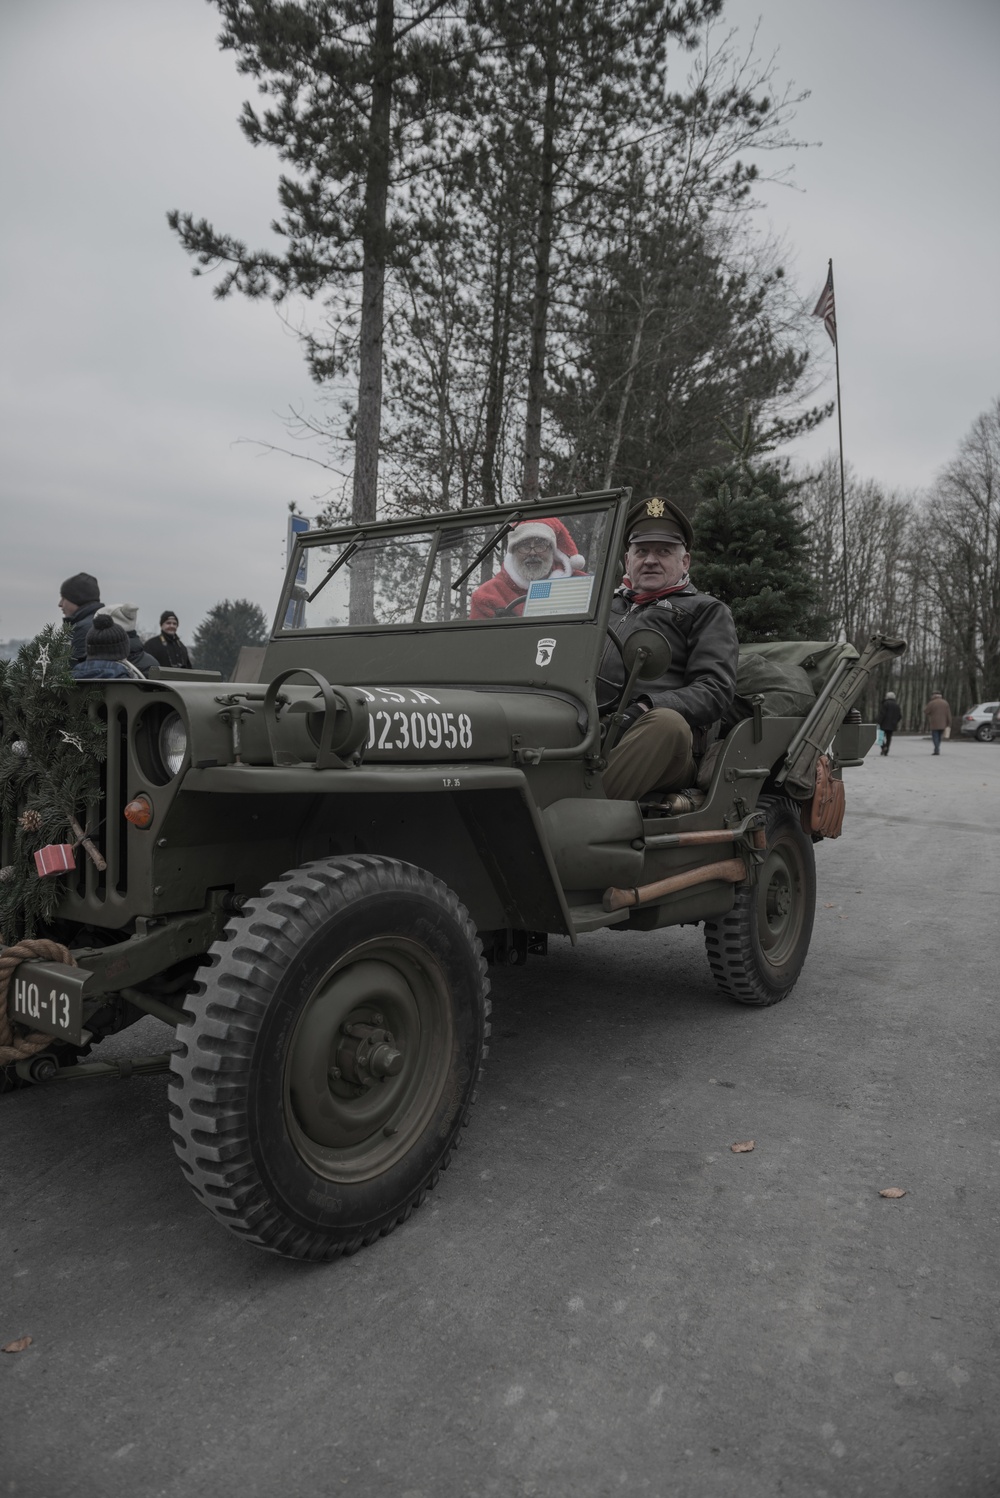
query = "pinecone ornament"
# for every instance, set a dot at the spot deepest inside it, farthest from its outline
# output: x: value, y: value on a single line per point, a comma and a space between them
x: 20, y: 748
x: 7, y: 873
x: 29, y: 821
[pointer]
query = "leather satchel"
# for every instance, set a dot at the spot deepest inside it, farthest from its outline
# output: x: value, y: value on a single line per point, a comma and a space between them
x: 823, y: 815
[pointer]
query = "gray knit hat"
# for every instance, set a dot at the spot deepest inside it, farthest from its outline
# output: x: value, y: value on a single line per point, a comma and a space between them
x: 106, y: 641
x: 124, y: 614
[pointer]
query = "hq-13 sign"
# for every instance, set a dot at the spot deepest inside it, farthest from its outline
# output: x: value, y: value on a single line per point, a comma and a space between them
x: 47, y: 999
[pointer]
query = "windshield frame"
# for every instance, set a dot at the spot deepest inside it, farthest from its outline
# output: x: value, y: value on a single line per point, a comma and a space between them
x: 494, y: 517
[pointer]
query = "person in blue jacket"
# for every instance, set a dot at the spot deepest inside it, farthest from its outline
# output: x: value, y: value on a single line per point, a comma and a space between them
x: 107, y: 653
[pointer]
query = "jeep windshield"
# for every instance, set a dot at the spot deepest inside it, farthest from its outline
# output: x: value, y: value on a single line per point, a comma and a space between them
x: 479, y: 568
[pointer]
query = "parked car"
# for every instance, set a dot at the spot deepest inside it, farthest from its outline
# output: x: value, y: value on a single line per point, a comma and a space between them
x: 981, y: 722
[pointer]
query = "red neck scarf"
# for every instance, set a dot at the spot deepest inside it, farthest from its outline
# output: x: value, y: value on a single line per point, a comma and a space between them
x: 660, y: 592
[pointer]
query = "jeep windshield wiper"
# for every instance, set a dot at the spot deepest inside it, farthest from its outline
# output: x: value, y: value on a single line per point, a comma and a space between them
x: 345, y: 556
x: 484, y: 551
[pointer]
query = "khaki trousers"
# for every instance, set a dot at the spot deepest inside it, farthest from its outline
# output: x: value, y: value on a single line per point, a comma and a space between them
x: 655, y: 755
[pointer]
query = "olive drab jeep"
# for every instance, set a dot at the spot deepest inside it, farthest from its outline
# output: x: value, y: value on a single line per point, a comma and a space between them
x: 317, y: 867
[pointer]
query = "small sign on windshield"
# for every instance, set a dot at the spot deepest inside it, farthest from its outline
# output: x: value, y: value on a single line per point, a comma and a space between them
x: 558, y: 595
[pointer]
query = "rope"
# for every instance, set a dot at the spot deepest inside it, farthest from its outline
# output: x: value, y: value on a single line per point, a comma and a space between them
x: 20, y: 1047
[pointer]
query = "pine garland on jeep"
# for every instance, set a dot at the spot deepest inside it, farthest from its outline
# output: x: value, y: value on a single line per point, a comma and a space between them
x: 51, y: 748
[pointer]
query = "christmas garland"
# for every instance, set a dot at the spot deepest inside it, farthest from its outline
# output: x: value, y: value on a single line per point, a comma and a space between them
x: 50, y: 755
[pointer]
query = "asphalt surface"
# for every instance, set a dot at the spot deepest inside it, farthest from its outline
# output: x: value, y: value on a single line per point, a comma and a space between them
x: 600, y: 1297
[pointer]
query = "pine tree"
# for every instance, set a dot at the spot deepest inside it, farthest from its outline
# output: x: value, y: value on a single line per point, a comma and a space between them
x: 750, y: 548
x: 224, y: 631
x: 358, y: 87
x: 577, y: 75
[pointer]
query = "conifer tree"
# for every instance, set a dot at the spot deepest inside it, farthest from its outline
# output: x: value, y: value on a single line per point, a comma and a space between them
x: 357, y: 88
x: 579, y: 73
x: 750, y: 547
x: 223, y: 632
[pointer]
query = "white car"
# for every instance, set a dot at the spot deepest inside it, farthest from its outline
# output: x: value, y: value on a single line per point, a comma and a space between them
x: 977, y: 723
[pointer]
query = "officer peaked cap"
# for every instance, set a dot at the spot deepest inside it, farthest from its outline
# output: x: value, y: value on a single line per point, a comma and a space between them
x: 659, y: 519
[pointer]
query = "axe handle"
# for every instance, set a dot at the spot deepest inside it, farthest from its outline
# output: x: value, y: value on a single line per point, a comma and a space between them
x: 698, y: 839
x: 732, y: 870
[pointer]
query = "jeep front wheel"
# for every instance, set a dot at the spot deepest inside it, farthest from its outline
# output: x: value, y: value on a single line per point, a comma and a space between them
x: 758, y: 950
x: 333, y: 1054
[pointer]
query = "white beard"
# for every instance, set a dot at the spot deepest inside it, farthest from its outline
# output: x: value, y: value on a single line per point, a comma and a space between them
x: 534, y: 568
x: 553, y: 565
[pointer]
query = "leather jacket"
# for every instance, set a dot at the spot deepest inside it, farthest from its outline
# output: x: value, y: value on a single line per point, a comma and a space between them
x: 701, y: 680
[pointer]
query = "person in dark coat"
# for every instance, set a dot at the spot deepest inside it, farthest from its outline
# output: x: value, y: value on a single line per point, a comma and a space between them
x: 79, y: 600
x: 107, y: 653
x: 126, y: 615
x: 667, y: 722
x: 888, y: 719
x: 166, y: 647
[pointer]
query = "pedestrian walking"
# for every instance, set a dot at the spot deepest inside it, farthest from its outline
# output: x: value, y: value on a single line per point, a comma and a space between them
x: 79, y: 601
x: 888, y: 719
x: 938, y: 716
x: 166, y: 647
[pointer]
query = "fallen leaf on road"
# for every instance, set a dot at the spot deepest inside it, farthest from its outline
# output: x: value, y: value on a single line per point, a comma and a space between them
x: 893, y: 1192
x: 744, y: 1147
x: 18, y: 1346
x: 829, y: 905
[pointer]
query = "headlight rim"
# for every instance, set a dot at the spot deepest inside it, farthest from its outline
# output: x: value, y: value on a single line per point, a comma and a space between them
x: 172, y: 760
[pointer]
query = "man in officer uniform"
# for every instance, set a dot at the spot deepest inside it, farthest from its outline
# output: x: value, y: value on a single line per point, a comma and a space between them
x: 669, y: 720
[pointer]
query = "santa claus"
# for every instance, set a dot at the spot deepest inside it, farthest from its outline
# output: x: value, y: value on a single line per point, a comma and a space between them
x: 536, y: 549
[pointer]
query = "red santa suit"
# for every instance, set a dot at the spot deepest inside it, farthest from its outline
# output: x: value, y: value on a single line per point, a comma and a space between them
x: 510, y: 585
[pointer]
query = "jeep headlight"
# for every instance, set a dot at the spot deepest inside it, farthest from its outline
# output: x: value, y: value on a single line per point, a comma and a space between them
x: 173, y: 742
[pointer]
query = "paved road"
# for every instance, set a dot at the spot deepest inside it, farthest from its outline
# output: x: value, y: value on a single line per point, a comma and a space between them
x: 600, y: 1297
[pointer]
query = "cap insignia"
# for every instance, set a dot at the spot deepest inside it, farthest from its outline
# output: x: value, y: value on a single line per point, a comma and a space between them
x: 655, y: 509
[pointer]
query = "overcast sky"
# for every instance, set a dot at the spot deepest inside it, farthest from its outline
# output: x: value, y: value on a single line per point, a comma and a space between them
x: 127, y: 389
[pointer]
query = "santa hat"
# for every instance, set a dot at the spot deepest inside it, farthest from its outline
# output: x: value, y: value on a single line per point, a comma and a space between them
x: 556, y: 534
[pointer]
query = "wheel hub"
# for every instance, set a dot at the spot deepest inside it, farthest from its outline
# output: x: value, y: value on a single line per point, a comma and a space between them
x: 367, y: 1060
x: 368, y: 1053
x: 779, y: 897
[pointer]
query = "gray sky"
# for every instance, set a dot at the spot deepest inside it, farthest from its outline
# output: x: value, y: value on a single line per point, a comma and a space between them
x: 126, y: 388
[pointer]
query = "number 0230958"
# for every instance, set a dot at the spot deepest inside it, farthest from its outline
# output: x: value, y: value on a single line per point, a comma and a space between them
x: 419, y: 730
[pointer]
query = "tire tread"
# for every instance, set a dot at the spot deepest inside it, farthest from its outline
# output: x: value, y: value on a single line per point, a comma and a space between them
x: 211, y: 1063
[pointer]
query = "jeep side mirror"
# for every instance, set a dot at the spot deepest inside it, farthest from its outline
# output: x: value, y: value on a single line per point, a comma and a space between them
x: 656, y: 654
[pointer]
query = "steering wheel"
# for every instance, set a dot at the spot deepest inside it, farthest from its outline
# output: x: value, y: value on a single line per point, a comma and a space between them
x: 615, y: 686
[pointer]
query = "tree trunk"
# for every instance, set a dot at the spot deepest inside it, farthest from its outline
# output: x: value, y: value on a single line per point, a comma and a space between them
x: 543, y: 273
x: 633, y: 364
x: 369, y: 419
x: 503, y: 294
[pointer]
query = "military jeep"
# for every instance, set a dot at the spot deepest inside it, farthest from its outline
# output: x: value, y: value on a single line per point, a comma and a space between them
x: 307, y: 875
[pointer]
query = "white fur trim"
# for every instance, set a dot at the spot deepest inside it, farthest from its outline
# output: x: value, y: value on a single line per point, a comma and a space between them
x: 531, y: 530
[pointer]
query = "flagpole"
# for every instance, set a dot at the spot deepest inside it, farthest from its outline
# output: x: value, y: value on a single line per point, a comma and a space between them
x: 843, y: 496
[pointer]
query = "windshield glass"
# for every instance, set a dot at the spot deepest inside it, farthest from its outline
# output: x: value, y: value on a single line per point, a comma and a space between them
x: 451, y: 573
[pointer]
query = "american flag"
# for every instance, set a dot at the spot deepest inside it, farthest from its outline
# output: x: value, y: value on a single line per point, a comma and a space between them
x: 558, y: 595
x: 826, y: 309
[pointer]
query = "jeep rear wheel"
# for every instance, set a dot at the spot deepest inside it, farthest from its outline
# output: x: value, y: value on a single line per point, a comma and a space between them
x: 758, y: 950
x: 333, y: 1056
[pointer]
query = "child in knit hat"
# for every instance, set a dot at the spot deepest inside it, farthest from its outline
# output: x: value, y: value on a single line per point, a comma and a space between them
x: 107, y: 653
